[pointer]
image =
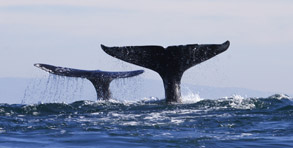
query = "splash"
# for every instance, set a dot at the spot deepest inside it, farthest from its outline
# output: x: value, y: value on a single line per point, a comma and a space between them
x: 126, y: 89
x: 239, y: 102
x: 54, y: 89
x: 191, y: 98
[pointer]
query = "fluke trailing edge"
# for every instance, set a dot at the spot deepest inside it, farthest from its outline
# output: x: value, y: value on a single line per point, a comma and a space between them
x: 100, y: 79
x: 170, y: 62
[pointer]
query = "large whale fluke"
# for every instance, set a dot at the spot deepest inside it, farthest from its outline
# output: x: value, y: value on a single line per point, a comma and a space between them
x: 170, y: 62
x: 100, y: 79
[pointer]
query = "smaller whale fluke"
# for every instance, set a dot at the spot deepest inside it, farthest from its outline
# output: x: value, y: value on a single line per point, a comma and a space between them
x: 100, y: 79
x: 170, y: 62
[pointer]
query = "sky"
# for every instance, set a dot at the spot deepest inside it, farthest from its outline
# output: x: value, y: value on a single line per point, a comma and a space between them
x: 69, y: 33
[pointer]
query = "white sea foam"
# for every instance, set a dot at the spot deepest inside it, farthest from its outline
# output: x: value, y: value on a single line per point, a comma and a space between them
x: 62, y: 131
x: 2, y: 130
x: 245, y: 134
x: 177, y: 121
x: 130, y: 123
x: 239, y: 102
x: 280, y: 96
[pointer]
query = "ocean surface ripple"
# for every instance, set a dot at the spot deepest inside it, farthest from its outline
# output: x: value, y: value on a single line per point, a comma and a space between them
x: 225, y: 122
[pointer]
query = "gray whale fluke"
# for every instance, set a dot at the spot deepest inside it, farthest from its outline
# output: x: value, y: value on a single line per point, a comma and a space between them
x: 170, y: 62
x: 100, y: 79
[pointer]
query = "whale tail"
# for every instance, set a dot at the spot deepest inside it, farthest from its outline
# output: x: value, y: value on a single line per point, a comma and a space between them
x: 170, y: 62
x: 100, y: 79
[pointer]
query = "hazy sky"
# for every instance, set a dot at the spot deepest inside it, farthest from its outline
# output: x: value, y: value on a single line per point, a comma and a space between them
x: 69, y: 33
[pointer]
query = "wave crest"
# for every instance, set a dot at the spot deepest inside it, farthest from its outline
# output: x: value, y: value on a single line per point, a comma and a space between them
x: 278, y: 102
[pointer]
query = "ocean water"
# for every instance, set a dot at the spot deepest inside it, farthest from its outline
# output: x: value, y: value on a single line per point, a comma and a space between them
x: 224, y: 122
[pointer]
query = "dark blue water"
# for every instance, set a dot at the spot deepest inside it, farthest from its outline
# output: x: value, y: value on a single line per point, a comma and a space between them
x: 227, y: 122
